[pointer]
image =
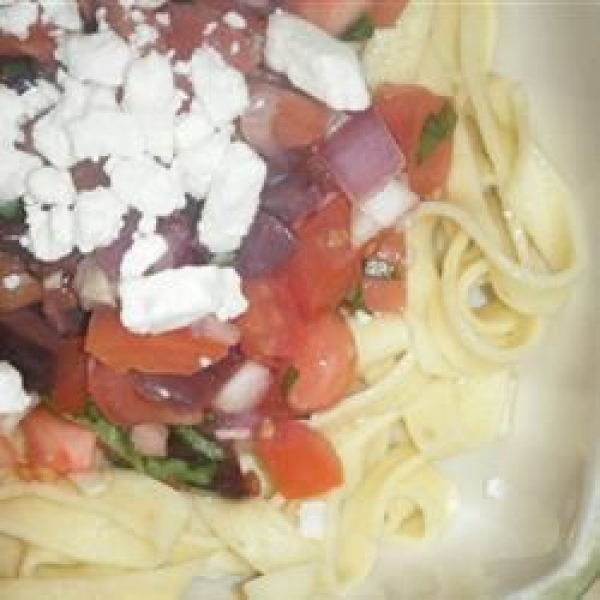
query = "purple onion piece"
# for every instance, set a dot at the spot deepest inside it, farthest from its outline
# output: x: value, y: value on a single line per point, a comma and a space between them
x: 62, y: 311
x: 29, y: 343
x: 109, y: 258
x: 293, y: 197
x: 362, y: 155
x: 268, y: 245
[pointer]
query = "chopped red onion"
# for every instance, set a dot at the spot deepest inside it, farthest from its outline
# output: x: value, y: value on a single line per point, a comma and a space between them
x: 293, y: 197
x: 362, y: 155
x: 268, y: 245
x: 93, y: 286
x: 245, y: 389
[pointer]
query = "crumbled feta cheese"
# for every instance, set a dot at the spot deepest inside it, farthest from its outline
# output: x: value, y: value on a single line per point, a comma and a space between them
x: 143, y: 35
x: 315, y: 62
x: 17, y: 18
x: 101, y: 57
x: 176, y: 298
x: 145, y: 251
x: 197, y: 165
x: 11, y: 116
x: 312, y: 516
x: 234, y: 20
x: 192, y: 128
x: 39, y: 98
x: 15, y: 166
x: 210, y: 28
x: 149, y: 84
x: 105, y: 132
x: 15, y: 402
x: 144, y: 184
x: 11, y: 282
x: 137, y: 16
x: 233, y: 199
x: 182, y: 67
x: 98, y: 219
x: 158, y: 131
x: 100, y: 97
x: 52, y: 142
x: 220, y: 88
x: 63, y: 14
x: 147, y: 224
x: 48, y: 185
x: 51, y: 232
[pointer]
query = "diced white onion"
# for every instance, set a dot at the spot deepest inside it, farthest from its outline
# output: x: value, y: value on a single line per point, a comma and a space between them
x: 150, y: 438
x: 245, y: 389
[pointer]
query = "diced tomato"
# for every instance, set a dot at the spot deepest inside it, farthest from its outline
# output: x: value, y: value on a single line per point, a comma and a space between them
x: 300, y: 461
x: 386, y: 294
x: 176, y: 352
x: 334, y: 16
x: 8, y: 453
x: 325, y: 264
x: 193, y: 24
x: 39, y: 44
x: 69, y: 393
x: 405, y: 109
x: 324, y: 360
x: 386, y: 12
x: 271, y: 325
x: 118, y: 400
x: 56, y: 443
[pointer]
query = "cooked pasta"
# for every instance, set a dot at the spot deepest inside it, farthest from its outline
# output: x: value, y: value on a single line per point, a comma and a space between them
x: 489, y: 262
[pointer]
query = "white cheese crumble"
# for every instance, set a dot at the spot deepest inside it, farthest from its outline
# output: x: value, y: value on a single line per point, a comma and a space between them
x: 63, y: 14
x: 144, y: 184
x: 233, y: 199
x: 11, y: 117
x: 104, y: 133
x: 11, y: 282
x: 39, y: 98
x: 145, y: 251
x: 51, y: 231
x: 18, y: 17
x: 177, y: 298
x: 220, y: 88
x: 48, y: 185
x: 192, y: 128
x: 198, y: 164
x: 163, y: 19
x: 15, y: 166
x: 315, y: 62
x: 101, y: 57
x: 98, y: 218
x: 14, y: 400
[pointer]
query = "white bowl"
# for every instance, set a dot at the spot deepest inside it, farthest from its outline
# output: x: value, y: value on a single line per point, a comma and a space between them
x: 530, y: 511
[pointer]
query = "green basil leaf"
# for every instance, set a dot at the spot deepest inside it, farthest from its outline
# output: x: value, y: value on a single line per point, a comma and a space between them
x: 361, y: 30
x: 355, y: 300
x: 12, y: 210
x: 195, y: 440
x: 437, y: 128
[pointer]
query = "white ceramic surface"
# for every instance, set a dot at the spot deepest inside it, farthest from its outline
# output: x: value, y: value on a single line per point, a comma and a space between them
x: 537, y: 527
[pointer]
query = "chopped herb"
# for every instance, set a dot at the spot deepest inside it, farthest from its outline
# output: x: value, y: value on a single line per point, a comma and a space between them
x: 378, y: 268
x: 290, y: 377
x: 193, y: 438
x: 436, y: 129
x: 355, y: 300
x: 225, y: 259
x: 198, y: 473
x: 18, y: 72
x: 12, y: 211
x: 361, y: 30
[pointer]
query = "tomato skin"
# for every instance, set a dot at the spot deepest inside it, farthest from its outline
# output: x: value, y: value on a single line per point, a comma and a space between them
x: 271, y: 325
x: 405, y: 109
x: 301, y: 462
x: 69, y: 392
x: 334, y: 16
x: 325, y: 360
x: 118, y: 400
x: 386, y: 12
x: 57, y: 444
x: 386, y: 295
x: 176, y: 352
x: 326, y: 264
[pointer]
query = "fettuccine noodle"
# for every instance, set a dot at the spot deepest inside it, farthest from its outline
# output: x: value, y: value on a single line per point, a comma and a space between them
x: 436, y: 379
